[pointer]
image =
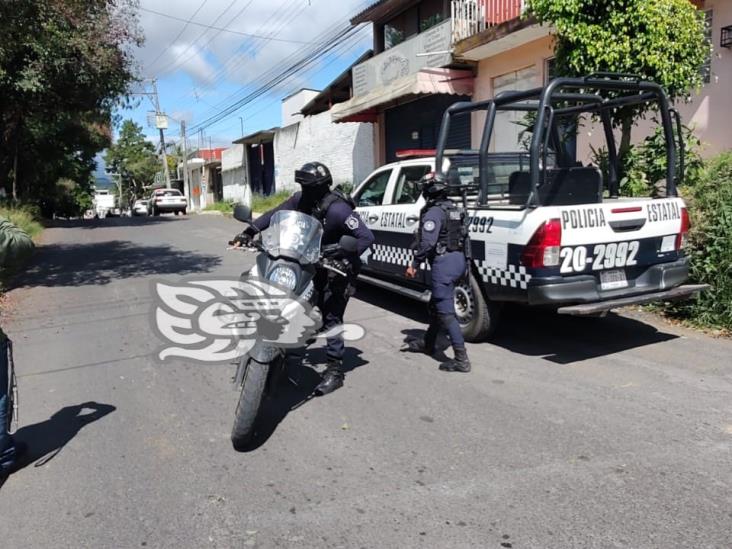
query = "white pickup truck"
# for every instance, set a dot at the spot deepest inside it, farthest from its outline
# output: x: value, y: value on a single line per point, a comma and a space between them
x: 105, y: 203
x: 544, y: 230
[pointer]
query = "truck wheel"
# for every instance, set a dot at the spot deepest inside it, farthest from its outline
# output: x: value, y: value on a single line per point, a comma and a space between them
x: 250, y: 399
x: 478, y: 318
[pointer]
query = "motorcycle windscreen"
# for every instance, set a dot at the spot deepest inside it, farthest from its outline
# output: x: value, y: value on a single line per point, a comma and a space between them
x: 294, y: 235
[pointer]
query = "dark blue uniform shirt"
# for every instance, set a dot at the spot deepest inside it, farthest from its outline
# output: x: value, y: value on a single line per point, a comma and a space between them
x: 429, y: 228
x: 340, y: 220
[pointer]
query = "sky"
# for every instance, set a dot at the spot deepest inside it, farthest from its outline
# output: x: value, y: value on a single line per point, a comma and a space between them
x: 200, y: 70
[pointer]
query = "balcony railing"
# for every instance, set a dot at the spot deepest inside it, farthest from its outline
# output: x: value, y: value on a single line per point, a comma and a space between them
x: 469, y: 17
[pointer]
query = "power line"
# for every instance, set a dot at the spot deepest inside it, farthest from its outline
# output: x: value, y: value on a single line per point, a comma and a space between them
x: 298, y: 66
x: 223, y: 29
x: 188, y: 22
x: 324, y: 37
x: 235, y: 62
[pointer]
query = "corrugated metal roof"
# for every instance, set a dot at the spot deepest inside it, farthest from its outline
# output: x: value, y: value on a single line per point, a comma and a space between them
x: 381, y: 9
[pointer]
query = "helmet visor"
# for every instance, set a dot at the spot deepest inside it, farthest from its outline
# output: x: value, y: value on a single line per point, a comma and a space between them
x: 306, y: 178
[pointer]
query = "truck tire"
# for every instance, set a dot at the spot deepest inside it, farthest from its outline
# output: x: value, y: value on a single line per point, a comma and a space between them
x: 478, y: 317
x: 250, y: 400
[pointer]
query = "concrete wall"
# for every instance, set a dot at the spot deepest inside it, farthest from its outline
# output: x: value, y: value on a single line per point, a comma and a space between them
x: 235, y: 176
x: 347, y: 149
x: 292, y: 105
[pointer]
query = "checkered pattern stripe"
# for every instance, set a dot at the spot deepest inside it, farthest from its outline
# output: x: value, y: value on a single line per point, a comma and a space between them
x: 515, y: 277
x: 394, y: 255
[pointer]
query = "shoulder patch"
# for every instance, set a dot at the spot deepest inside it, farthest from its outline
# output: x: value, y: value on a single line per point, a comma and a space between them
x: 352, y: 222
x: 429, y: 226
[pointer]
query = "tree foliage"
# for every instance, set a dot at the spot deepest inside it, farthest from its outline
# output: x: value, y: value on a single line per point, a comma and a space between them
x: 659, y: 40
x: 64, y: 66
x: 134, y: 159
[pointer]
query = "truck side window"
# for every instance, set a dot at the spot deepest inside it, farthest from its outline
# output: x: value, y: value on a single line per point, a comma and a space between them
x: 407, y: 186
x: 373, y: 191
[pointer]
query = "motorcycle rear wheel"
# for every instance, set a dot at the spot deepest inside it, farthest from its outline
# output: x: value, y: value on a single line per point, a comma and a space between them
x: 250, y: 400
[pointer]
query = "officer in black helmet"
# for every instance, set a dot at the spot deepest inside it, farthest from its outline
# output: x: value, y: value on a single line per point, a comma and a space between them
x: 441, y: 241
x: 335, y: 212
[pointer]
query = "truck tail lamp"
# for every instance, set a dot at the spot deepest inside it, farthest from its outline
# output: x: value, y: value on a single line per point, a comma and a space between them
x: 544, y: 246
x: 683, y: 237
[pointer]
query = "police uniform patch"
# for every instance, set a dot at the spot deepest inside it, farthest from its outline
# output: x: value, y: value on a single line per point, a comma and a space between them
x: 352, y: 223
x: 429, y: 226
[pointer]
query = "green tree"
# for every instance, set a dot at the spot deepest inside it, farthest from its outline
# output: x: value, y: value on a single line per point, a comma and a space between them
x: 134, y: 159
x: 64, y: 66
x: 660, y: 40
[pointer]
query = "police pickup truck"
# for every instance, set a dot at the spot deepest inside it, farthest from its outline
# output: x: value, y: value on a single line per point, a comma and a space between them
x: 544, y: 229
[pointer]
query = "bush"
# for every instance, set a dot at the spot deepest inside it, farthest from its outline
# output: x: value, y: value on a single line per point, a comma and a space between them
x: 23, y: 216
x: 227, y: 206
x: 710, y: 245
x: 261, y: 203
x: 644, y: 165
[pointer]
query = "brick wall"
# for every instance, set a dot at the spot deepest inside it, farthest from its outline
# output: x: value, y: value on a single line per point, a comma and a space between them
x: 347, y: 149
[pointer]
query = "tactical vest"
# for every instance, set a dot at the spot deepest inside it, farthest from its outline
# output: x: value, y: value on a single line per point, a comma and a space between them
x: 321, y: 208
x: 453, y: 234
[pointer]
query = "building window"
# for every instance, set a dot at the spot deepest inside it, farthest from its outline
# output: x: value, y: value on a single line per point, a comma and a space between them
x: 706, y: 69
x: 419, y: 18
x: 550, y: 69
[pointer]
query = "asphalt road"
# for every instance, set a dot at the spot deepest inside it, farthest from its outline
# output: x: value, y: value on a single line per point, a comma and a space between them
x: 611, y: 432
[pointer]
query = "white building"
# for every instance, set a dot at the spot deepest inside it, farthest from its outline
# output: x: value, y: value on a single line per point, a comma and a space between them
x: 235, y: 176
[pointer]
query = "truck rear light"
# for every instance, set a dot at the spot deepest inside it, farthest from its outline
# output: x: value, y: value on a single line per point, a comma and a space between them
x: 683, y: 236
x: 544, y: 247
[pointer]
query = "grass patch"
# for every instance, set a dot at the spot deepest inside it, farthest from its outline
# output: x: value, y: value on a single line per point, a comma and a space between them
x: 24, y: 217
x: 225, y: 207
x: 261, y: 203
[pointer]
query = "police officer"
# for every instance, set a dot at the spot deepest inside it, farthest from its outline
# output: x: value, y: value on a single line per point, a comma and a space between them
x: 441, y: 241
x: 335, y: 212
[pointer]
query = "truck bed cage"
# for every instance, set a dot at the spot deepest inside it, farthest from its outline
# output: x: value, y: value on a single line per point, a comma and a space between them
x: 599, y: 94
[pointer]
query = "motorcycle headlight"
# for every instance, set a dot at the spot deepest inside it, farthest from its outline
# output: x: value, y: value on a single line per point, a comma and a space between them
x: 284, y: 276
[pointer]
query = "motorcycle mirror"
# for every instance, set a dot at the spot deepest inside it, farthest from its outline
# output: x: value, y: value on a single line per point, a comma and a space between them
x: 348, y: 244
x: 242, y: 213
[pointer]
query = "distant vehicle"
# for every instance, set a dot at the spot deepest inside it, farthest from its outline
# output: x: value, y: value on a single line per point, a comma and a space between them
x: 140, y: 207
x: 167, y: 200
x: 105, y: 204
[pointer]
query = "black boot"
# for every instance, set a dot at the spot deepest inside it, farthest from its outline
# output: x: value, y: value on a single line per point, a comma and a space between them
x: 458, y: 364
x: 332, y: 378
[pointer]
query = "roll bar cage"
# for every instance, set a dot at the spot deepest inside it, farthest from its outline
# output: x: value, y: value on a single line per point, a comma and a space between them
x: 564, y: 97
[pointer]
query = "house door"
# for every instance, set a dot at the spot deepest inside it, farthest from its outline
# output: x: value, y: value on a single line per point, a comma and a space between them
x: 507, y: 127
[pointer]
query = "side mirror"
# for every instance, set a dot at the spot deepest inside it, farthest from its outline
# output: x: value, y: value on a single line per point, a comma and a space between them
x: 348, y: 244
x: 242, y: 213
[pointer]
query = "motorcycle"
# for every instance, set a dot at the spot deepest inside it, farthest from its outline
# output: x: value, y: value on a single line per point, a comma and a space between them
x: 289, y: 253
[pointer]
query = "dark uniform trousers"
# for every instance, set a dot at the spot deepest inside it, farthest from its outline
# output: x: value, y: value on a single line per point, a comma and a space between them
x: 333, y: 295
x: 447, y: 269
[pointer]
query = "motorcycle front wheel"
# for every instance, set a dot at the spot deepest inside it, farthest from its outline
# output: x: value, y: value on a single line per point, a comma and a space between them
x: 250, y: 400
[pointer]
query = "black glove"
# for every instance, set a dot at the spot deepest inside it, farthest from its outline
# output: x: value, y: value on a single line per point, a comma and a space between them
x: 242, y: 239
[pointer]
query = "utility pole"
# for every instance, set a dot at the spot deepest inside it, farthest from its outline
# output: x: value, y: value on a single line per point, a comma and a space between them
x: 158, y: 118
x: 186, y: 183
x: 241, y: 119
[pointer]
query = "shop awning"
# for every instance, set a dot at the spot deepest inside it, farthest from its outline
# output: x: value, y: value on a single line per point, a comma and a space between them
x: 365, y: 108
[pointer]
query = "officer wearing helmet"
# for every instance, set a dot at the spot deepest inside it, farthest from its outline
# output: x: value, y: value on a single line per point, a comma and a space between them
x: 335, y: 212
x: 441, y: 241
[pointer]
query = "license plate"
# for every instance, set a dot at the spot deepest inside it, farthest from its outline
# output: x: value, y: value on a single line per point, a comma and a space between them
x: 612, y: 280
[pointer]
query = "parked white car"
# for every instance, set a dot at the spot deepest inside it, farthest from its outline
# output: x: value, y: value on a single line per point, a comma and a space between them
x: 140, y: 208
x: 167, y: 200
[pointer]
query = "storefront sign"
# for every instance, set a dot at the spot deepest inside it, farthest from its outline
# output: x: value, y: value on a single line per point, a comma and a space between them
x: 405, y: 59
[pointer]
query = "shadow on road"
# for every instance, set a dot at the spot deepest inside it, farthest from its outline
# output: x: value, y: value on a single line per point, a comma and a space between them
x: 537, y: 332
x: 45, y: 440
x: 101, y: 262
x: 295, y: 392
x: 139, y: 221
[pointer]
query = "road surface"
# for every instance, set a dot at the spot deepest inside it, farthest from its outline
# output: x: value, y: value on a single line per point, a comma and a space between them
x: 569, y: 432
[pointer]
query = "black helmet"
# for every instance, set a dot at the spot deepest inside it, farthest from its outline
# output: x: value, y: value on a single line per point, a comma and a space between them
x: 313, y: 174
x: 433, y: 186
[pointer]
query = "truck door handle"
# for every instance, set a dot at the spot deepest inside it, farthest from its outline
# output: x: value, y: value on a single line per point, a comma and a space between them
x: 373, y: 218
x: 412, y: 219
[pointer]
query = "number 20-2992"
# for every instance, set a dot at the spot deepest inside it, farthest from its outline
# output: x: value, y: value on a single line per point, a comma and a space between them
x: 604, y: 256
